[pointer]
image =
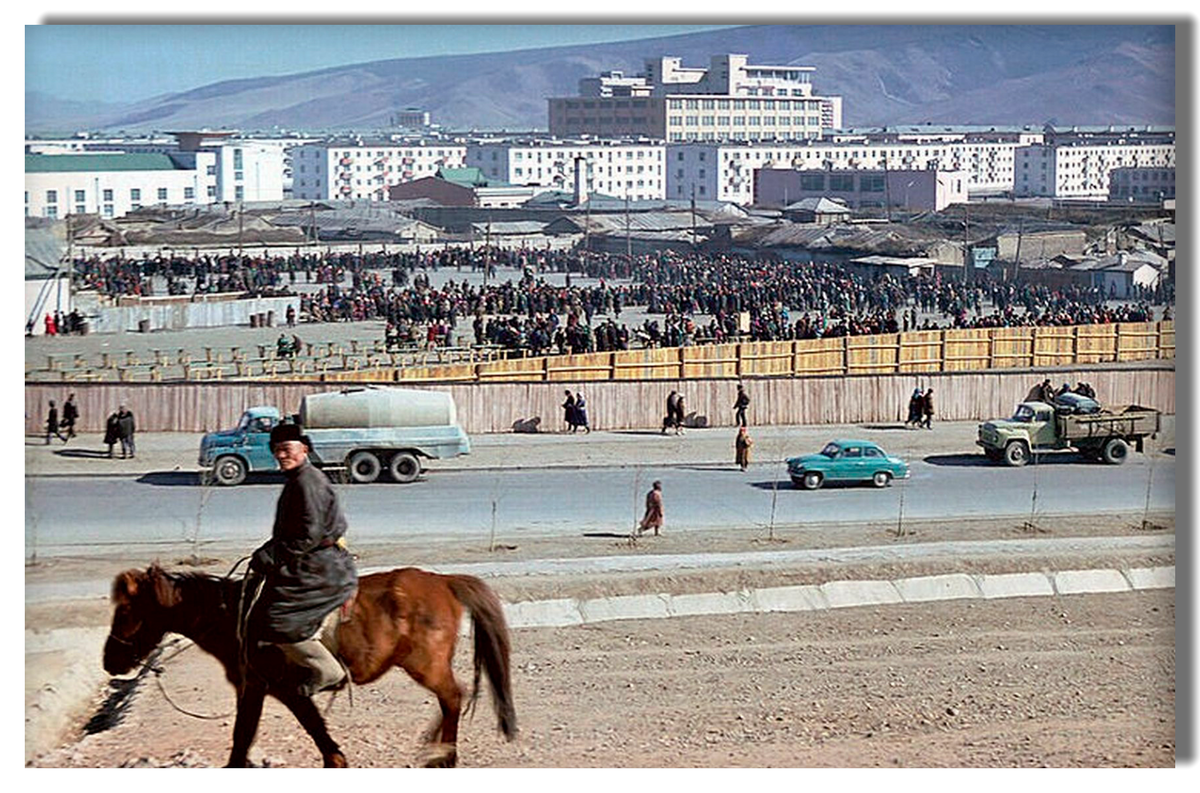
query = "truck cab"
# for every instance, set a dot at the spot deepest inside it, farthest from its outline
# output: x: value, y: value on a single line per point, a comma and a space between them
x: 231, y: 454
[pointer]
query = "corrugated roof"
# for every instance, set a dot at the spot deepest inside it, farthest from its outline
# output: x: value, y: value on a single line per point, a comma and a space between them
x: 45, y: 245
x: 822, y: 205
x: 891, y: 238
x: 467, y: 177
x: 70, y: 163
x: 510, y: 227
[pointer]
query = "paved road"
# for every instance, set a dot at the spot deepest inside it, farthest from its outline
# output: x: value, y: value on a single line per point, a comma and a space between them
x: 86, y: 516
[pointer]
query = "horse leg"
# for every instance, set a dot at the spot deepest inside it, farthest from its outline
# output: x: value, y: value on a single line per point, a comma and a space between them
x: 305, y: 711
x: 249, y: 712
x: 442, y: 683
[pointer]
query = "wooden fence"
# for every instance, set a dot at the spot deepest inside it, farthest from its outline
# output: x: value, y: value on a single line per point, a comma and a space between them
x: 916, y: 351
x: 621, y: 401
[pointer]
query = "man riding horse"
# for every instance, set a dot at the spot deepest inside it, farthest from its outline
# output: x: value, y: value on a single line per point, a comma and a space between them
x: 306, y: 573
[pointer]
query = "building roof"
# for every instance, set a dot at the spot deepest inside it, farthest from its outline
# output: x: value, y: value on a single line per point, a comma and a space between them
x: 821, y: 205
x: 45, y: 245
x: 503, y: 227
x: 466, y: 177
x: 69, y: 163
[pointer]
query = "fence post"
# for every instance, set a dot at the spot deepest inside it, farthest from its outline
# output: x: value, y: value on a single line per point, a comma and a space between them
x: 546, y: 368
x: 681, y: 362
x: 1158, y: 345
x: 1075, y: 344
x: 1117, y: 344
x: 612, y: 366
x: 942, y: 355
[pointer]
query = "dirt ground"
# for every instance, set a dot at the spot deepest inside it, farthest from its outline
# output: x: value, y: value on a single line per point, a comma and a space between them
x: 1083, y: 680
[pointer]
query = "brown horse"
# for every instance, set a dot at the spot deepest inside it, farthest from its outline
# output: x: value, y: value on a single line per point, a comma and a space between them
x: 407, y: 618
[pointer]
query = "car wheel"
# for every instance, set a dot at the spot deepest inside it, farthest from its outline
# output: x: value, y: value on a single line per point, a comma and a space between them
x: 881, y: 479
x: 405, y: 467
x: 230, y: 470
x: 812, y: 480
x: 364, y: 467
x: 1016, y: 454
x: 1115, y: 452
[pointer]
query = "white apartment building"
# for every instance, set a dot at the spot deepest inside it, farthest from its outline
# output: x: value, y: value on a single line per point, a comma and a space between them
x: 725, y: 171
x: 732, y: 99
x: 113, y: 184
x: 931, y: 191
x: 364, y: 169
x: 1078, y: 169
x: 623, y: 169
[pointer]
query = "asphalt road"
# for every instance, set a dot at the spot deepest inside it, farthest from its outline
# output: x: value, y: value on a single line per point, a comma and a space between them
x: 165, y: 511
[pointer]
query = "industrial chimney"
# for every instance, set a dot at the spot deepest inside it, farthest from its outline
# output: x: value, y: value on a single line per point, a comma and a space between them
x: 581, y: 191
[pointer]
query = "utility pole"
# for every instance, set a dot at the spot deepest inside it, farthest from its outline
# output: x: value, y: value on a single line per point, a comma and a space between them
x: 967, y: 263
x: 628, y: 239
x: 887, y: 194
x: 693, y: 218
x: 1017, y: 263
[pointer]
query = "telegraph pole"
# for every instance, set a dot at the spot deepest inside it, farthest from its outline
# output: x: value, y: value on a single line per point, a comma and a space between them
x: 693, y: 218
x: 628, y: 239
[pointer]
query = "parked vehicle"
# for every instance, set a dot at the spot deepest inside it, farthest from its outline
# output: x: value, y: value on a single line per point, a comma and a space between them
x: 1071, y: 422
x: 846, y: 461
x: 365, y: 430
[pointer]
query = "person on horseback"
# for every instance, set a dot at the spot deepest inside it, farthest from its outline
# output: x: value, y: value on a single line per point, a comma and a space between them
x: 305, y: 569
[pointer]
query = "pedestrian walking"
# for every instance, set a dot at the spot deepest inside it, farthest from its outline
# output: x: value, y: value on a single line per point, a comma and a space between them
x: 679, y: 414
x: 653, y: 519
x: 125, y: 430
x: 112, y: 431
x: 52, y: 423
x: 581, y: 416
x: 70, y: 415
x: 739, y: 405
x: 669, y: 419
x: 916, y: 408
x: 742, y: 444
x: 927, y: 409
x: 569, y: 413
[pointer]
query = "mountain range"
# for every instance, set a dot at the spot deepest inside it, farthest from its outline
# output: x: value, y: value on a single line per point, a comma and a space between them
x: 886, y: 74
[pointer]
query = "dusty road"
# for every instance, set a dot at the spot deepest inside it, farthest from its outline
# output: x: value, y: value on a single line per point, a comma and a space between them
x: 1080, y: 680
x: 1076, y: 681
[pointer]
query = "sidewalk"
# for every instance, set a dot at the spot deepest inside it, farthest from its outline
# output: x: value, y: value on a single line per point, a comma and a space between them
x: 86, y: 455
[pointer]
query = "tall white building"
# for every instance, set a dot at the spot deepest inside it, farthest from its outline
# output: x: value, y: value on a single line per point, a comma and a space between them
x: 113, y: 184
x: 619, y: 168
x: 732, y: 99
x: 1079, y: 164
x: 725, y: 171
x: 365, y: 169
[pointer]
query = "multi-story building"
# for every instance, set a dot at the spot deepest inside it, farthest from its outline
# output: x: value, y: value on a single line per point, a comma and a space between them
x: 731, y: 100
x: 114, y: 184
x: 858, y: 189
x: 364, y: 169
x: 234, y: 168
x: 621, y: 168
x: 1141, y: 185
x: 725, y: 171
x: 1076, y: 163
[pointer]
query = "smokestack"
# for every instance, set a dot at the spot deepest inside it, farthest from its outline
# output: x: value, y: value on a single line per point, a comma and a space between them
x: 581, y: 191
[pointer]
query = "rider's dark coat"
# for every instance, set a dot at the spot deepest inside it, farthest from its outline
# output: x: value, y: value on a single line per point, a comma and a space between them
x: 308, y: 574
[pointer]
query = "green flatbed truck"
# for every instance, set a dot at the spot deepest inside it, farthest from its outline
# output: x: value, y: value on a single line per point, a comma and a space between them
x: 1103, y: 434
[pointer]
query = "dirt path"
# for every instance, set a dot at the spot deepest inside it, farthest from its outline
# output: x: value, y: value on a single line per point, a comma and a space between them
x: 1074, y: 681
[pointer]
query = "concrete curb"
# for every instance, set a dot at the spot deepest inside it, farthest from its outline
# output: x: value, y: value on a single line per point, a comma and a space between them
x: 835, y: 595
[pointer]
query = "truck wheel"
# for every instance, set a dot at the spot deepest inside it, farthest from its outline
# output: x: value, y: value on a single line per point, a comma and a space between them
x: 1115, y: 451
x: 881, y: 479
x: 405, y: 467
x: 1016, y: 454
x: 230, y: 470
x: 812, y: 480
x: 364, y: 467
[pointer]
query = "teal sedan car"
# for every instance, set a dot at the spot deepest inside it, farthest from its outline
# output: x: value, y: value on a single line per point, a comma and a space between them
x: 846, y: 461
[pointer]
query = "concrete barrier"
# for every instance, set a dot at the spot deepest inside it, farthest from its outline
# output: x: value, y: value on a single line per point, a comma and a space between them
x: 1014, y: 585
x: 1152, y: 577
x: 1076, y: 582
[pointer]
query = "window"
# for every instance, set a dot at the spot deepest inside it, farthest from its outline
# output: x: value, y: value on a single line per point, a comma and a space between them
x: 108, y: 210
x: 239, y: 193
x: 51, y: 196
x: 853, y: 451
x: 871, y: 183
x: 841, y: 181
x: 108, y: 195
x: 80, y: 209
x: 79, y: 196
x: 871, y: 451
x: 189, y: 193
x: 135, y: 194
x: 162, y: 194
x: 212, y: 191
x: 51, y: 212
x: 211, y: 170
x: 812, y: 181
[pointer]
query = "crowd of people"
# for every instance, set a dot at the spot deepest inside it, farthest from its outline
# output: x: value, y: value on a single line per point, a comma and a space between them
x: 692, y: 298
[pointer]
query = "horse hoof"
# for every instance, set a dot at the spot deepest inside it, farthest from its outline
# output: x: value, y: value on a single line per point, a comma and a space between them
x: 336, y: 760
x: 445, y: 761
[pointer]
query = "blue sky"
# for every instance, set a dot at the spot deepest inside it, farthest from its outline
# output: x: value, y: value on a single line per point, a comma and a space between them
x: 122, y: 63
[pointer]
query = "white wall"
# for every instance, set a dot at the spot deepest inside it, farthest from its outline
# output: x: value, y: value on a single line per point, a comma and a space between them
x: 94, y: 185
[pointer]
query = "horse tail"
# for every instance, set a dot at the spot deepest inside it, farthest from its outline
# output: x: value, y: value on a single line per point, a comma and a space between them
x: 491, y: 647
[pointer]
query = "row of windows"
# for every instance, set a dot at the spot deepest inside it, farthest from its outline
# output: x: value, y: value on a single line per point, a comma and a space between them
x: 559, y: 155
x: 742, y: 104
x: 599, y: 169
x: 357, y: 153
x: 135, y: 194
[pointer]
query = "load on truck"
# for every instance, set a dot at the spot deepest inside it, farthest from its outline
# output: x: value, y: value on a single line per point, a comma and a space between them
x: 1072, y: 421
x: 367, y: 431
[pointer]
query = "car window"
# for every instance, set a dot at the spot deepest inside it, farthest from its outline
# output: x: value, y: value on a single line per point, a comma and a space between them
x: 1024, y: 413
x: 854, y: 451
x: 261, y: 424
x: 873, y: 452
x: 831, y: 450
x: 1043, y: 415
